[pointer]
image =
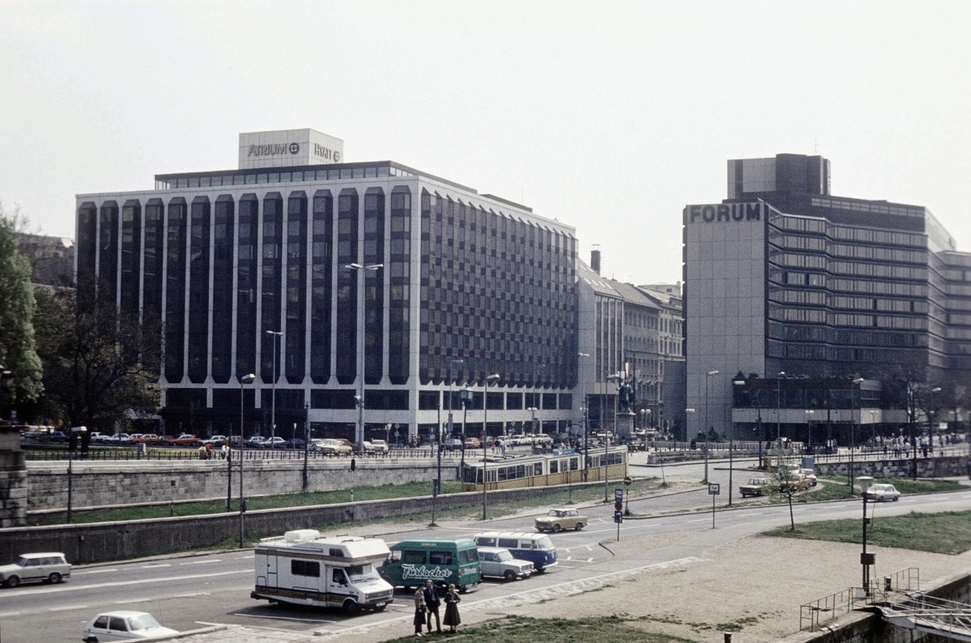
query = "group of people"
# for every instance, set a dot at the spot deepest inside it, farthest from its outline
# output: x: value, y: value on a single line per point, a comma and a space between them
x: 427, y: 603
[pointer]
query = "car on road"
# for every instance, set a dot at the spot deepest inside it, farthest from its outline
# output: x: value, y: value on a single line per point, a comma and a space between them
x: 379, y: 446
x: 498, y: 562
x: 48, y: 567
x: 810, y: 475
x: 472, y: 443
x: 255, y: 442
x: 794, y: 481
x: 296, y: 443
x: 216, y: 441
x: 118, y: 438
x: 559, y: 519
x: 882, y: 493
x: 754, y: 487
x: 124, y: 625
x: 146, y: 438
x: 276, y: 442
x: 184, y: 440
x: 333, y: 446
x: 453, y: 444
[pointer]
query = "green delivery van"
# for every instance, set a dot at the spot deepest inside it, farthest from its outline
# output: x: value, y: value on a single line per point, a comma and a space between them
x: 444, y: 561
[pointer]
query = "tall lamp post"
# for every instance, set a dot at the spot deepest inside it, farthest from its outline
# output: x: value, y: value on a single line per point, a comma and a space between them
x: 688, y: 412
x: 245, y: 379
x: 71, y: 443
x: 276, y: 334
x: 485, y: 435
x: 584, y: 409
x: 7, y: 378
x: 865, y: 559
x: 532, y: 421
x: 466, y: 394
x: 854, y: 392
x: 778, y: 406
x: 708, y: 376
x: 809, y: 433
x: 613, y: 377
x: 362, y: 300
x: 931, y: 412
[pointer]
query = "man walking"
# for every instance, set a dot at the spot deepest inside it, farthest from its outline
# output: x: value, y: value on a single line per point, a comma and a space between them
x: 432, y: 602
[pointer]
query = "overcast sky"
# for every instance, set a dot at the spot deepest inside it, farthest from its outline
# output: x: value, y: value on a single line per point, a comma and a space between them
x: 607, y: 116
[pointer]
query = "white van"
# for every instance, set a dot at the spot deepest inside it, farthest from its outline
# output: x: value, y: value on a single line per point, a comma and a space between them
x: 305, y: 568
x: 536, y: 548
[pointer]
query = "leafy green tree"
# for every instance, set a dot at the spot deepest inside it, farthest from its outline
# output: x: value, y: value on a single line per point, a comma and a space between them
x: 94, y: 362
x: 17, y: 347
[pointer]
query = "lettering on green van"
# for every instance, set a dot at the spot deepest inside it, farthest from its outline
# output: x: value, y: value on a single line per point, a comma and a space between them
x: 443, y: 561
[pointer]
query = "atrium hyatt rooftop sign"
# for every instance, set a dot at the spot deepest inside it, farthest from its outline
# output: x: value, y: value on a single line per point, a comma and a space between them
x: 288, y: 148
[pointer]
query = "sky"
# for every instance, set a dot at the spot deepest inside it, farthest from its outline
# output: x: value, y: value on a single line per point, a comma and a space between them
x: 606, y: 116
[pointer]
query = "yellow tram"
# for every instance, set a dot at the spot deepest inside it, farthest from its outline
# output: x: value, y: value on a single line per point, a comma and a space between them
x: 563, y: 466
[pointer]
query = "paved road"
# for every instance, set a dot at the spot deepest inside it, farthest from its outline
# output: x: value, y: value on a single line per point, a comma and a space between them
x: 189, y: 592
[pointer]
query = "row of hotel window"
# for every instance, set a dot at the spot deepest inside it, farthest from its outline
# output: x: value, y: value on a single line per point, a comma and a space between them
x: 863, y: 235
x: 255, y: 178
x: 814, y: 316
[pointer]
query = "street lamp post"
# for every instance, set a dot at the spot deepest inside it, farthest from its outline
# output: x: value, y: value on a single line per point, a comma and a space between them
x: 778, y: 407
x: 866, y: 559
x: 853, y: 406
x: 809, y: 433
x: 615, y: 377
x: 245, y: 379
x: 276, y: 335
x: 931, y: 412
x: 485, y: 435
x: 362, y: 300
x: 532, y: 422
x: 466, y: 394
x: 584, y: 408
x: 707, y: 430
x: 688, y: 412
x: 72, y: 441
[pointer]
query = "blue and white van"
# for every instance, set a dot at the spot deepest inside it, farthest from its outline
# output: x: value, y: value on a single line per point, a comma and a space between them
x: 536, y: 548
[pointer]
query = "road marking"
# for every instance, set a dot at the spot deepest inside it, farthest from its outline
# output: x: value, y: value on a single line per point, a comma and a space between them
x: 69, y: 607
x: 129, y: 601
x: 156, y: 566
x: 202, y: 562
x: 8, y: 614
x: 95, y: 571
x: 245, y: 557
x: 74, y: 587
x: 285, y: 618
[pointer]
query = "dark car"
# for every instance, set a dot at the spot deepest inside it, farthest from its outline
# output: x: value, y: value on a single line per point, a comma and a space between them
x: 296, y: 443
x: 55, y: 436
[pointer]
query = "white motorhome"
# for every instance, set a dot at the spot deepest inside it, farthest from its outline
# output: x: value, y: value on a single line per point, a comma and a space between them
x: 304, y: 568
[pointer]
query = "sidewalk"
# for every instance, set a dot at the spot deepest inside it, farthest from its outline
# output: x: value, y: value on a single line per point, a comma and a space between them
x: 693, y: 584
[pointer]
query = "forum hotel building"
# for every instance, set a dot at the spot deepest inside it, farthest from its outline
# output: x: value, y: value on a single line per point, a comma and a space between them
x: 806, y: 310
x: 331, y: 281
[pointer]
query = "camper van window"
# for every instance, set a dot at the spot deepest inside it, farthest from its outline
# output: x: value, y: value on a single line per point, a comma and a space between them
x: 360, y: 572
x: 509, y: 543
x: 305, y: 568
x: 415, y: 557
x: 440, y: 558
x: 337, y: 552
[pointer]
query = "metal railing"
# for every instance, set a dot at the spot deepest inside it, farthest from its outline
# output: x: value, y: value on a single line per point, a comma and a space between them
x: 814, y: 613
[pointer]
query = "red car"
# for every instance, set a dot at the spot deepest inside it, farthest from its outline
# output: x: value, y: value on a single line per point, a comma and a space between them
x: 184, y: 440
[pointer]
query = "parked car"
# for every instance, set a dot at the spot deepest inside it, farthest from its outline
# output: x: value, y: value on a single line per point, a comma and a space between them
x: 123, y: 625
x: 255, y: 442
x: 882, y: 493
x: 379, y: 446
x: 216, y: 441
x: 119, y: 438
x: 97, y: 436
x: 794, y: 481
x: 453, y: 444
x: 559, y: 519
x: 47, y: 566
x: 754, y: 487
x: 333, y: 446
x: 276, y: 442
x: 146, y: 438
x: 55, y: 436
x: 810, y: 475
x: 500, y: 563
x: 184, y: 440
x: 472, y: 443
x: 296, y: 443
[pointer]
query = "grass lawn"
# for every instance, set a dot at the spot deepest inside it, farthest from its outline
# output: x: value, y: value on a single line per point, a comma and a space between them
x: 939, y: 533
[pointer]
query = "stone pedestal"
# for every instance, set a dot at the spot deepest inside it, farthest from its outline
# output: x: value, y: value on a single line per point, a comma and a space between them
x: 625, y: 425
x: 13, y: 478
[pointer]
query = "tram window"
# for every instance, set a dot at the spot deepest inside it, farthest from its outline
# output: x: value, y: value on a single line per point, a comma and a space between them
x: 573, y: 464
x: 520, y: 471
x: 554, y: 466
x: 538, y: 469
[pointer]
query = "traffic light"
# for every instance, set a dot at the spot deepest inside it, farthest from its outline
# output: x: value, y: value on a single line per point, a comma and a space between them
x: 619, y: 505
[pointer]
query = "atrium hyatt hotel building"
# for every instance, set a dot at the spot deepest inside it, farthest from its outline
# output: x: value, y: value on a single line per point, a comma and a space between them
x: 790, y: 284
x: 297, y: 252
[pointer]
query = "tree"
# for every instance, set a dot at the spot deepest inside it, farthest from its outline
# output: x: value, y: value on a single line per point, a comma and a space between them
x: 783, y: 479
x: 17, y: 347
x: 94, y: 362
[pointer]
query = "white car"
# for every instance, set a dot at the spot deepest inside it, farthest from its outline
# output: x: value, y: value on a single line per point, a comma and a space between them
x: 379, y: 446
x: 882, y: 493
x: 499, y: 562
x: 124, y: 625
x: 46, y: 566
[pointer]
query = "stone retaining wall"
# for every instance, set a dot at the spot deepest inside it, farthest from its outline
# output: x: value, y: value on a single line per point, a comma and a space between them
x: 942, y: 467
x: 100, y: 484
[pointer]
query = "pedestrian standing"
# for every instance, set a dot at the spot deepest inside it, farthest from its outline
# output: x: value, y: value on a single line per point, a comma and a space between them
x: 419, y: 610
x: 432, y: 602
x: 452, y: 599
